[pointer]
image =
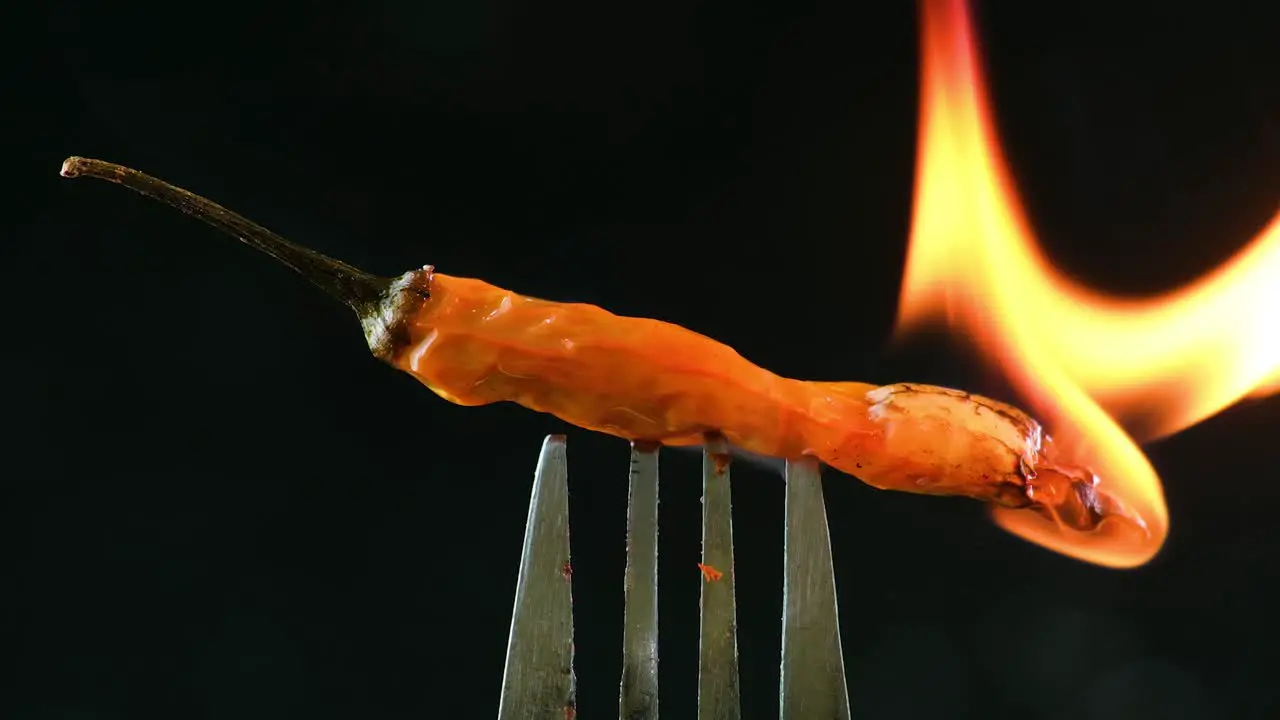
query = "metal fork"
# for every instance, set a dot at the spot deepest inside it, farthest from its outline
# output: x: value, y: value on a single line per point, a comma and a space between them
x: 539, y: 680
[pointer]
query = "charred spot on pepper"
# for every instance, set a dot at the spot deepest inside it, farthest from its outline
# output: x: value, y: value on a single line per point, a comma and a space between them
x: 1069, y: 496
x: 387, y: 323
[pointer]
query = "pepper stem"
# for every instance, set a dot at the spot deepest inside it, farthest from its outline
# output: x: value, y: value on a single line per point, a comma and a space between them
x: 359, y: 290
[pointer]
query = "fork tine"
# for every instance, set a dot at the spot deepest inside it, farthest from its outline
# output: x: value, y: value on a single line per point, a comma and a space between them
x: 813, y: 682
x: 538, y: 681
x: 638, y: 694
x: 718, y: 639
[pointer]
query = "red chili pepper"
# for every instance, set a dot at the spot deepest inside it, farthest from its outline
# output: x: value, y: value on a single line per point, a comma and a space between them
x: 646, y: 380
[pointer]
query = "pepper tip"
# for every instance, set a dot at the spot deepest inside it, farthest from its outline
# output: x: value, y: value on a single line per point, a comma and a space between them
x: 71, y: 166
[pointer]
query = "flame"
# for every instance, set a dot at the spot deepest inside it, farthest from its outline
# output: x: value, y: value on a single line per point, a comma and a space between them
x: 1080, y: 358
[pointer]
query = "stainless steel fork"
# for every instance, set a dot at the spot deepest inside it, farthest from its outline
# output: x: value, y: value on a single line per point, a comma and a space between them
x: 539, y: 680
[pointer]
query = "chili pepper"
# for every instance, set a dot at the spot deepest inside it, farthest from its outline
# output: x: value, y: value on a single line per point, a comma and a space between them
x: 651, y: 381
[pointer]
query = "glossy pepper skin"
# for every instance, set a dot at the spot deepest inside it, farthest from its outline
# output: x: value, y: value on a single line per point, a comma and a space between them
x: 474, y: 343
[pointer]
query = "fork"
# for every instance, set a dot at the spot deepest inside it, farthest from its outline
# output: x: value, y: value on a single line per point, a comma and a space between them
x: 538, y: 680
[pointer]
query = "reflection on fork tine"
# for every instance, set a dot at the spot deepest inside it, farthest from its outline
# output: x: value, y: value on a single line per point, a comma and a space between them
x: 638, y: 692
x: 538, y: 681
x: 718, y: 642
x: 813, y: 685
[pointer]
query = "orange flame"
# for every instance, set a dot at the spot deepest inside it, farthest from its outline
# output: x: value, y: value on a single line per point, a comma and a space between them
x: 1080, y: 358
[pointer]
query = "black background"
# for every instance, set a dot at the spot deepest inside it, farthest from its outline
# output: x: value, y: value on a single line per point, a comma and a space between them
x: 216, y: 505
